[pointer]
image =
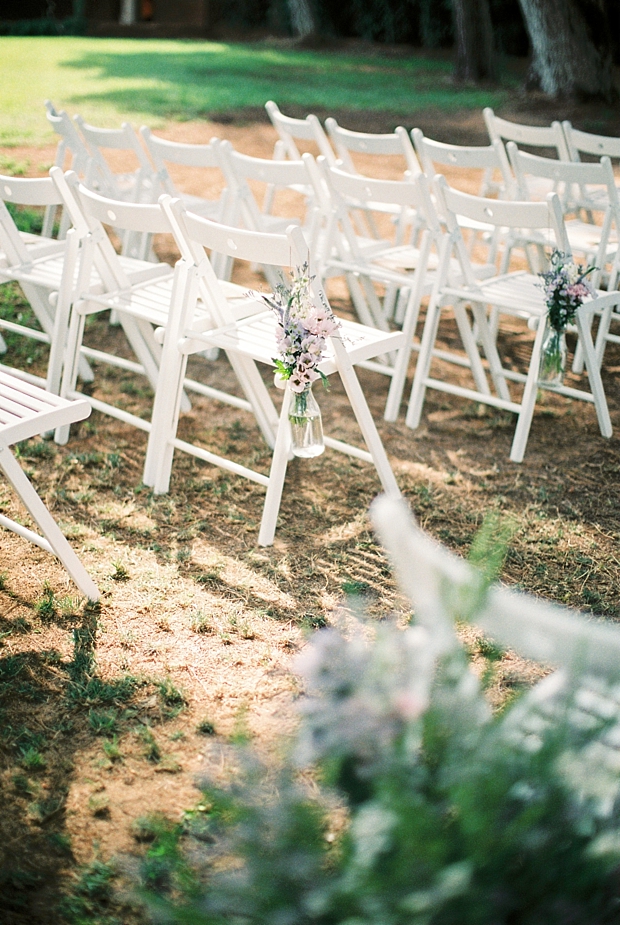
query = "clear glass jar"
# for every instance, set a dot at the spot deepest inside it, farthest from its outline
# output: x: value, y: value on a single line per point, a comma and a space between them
x: 306, y: 425
x: 552, y: 357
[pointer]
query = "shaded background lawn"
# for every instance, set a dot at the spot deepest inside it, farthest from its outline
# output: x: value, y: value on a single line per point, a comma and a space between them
x: 108, y: 80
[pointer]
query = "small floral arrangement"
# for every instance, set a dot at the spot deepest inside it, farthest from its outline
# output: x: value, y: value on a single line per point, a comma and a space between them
x: 303, y: 329
x: 565, y: 287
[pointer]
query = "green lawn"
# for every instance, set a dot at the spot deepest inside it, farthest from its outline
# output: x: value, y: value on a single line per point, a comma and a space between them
x: 152, y: 81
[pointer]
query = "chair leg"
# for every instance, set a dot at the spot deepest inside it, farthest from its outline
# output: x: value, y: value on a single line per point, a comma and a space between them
x: 399, y: 377
x: 365, y: 420
x: 488, y: 343
x: 50, y: 529
x: 277, y: 474
x: 468, y: 339
x: 601, y: 335
x: 164, y: 423
x: 418, y: 389
x: 70, y: 372
x: 528, y: 400
x: 410, y: 323
x: 61, y: 316
x: 594, y: 376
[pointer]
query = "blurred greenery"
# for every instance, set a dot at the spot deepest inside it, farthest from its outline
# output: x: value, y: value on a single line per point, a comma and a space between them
x: 108, y: 80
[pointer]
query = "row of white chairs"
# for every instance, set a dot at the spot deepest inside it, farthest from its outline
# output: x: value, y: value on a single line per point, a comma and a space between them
x: 169, y: 315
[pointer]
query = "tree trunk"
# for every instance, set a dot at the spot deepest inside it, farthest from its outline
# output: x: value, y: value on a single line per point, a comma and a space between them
x: 302, y: 19
x: 566, y: 61
x: 475, y: 48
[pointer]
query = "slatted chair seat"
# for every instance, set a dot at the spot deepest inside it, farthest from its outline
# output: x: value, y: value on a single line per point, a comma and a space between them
x: 254, y: 336
x: 26, y: 411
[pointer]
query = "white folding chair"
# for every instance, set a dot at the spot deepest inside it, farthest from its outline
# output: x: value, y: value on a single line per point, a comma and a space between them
x: 405, y: 269
x: 490, y: 160
x: 247, y: 332
x: 394, y: 267
x: 593, y: 243
x: 533, y: 136
x: 248, y: 178
x: 71, y: 154
x: 201, y: 157
x: 579, y: 702
x: 137, y: 185
x: 26, y: 411
x: 43, y: 267
x: 139, y: 292
x: 290, y: 130
x: 518, y: 294
x: 491, y: 163
x: 348, y: 143
x: 442, y: 588
x: 550, y: 137
x: 579, y: 143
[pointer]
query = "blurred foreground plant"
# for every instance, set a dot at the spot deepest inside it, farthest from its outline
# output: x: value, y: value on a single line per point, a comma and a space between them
x: 429, y: 810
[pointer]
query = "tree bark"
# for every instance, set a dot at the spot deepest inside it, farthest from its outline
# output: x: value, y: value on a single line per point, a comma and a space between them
x: 302, y: 19
x: 567, y: 59
x: 475, y: 46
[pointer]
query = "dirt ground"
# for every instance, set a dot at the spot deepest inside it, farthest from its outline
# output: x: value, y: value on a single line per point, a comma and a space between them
x: 111, y: 715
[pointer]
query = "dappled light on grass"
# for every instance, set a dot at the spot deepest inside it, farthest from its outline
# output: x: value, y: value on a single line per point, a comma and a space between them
x: 108, y: 80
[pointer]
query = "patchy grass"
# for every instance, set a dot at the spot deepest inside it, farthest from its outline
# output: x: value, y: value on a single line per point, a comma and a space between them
x: 108, y: 714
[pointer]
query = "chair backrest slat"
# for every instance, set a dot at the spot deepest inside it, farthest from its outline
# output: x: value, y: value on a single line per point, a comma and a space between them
x: 240, y: 243
x: 579, y: 142
x: 291, y: 130
x: 394, y: 144
x: 535, y: 136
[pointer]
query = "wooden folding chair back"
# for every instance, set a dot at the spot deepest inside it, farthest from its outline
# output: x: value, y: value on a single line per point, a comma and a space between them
x: 199, y: 156
x: 291, y: 130
x: 249, y: 177
x: 135, y: 186
x: 392, y: 144
x: 533, y: 136
x: 579, y: 142
x: 491, y: 160
x: 26, y: 411
x: 581, y: 186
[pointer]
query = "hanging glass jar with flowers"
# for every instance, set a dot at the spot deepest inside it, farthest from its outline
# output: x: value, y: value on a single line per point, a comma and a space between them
x: 566, y: 288
x: 302, y: 332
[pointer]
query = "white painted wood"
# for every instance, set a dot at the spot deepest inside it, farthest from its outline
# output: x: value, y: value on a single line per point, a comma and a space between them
x: 518, y: 294
x: 25, y: 411
x: 246, y: 330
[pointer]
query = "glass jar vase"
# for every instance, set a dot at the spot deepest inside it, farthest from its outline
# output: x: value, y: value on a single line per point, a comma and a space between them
x: 306, y: 425
x: 552, y: 357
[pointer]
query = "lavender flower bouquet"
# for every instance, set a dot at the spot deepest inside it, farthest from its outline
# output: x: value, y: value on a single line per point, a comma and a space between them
x: 566, y: 288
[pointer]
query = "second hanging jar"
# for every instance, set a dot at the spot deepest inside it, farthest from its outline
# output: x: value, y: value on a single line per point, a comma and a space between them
x: 552, y: 357
x: 306, y: 425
